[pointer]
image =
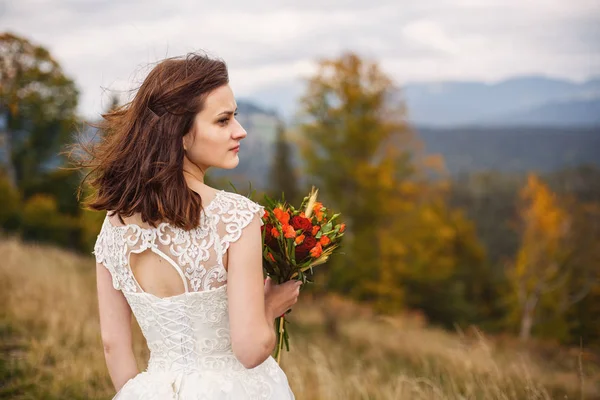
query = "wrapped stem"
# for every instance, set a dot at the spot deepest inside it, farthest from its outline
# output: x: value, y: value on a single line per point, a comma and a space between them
x: 281, y: 337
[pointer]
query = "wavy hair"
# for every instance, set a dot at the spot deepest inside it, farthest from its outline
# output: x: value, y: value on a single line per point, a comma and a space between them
x: 137, y: 165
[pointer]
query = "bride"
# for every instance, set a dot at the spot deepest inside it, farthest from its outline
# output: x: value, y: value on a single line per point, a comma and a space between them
x: 184, y: 258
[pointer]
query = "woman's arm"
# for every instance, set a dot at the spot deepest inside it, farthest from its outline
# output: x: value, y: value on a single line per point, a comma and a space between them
x: 115, y: 328
x: 252, y: 335
x: 252, y: 306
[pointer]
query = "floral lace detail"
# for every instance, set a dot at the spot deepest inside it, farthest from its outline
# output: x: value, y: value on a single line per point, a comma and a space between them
x: 188, y: 335
x: 198, y: 253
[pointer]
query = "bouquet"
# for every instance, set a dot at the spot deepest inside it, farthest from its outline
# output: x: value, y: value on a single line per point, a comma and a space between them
x: 295, y: 241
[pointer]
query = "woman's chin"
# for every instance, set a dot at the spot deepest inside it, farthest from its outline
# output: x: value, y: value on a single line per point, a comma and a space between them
x: 231, y: 163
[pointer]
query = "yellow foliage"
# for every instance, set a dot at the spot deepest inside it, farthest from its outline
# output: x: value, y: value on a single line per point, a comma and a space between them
x: 542, y: 274
x: 9, y: 202
x: 545, y: 226
x: 368, y: 163
x: 435, y: 162
x: 44, y: 223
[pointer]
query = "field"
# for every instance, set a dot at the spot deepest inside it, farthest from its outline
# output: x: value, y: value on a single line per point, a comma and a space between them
x: 50, y: 346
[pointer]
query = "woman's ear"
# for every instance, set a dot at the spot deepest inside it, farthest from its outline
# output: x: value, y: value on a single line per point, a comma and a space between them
x: 186, y: 140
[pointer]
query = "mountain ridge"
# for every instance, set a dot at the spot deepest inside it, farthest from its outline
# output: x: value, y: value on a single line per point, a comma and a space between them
x: 528, y: 99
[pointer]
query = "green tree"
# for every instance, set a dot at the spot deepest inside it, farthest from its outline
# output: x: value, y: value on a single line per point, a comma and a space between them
x: 38, y: 102
x: 282, y: 176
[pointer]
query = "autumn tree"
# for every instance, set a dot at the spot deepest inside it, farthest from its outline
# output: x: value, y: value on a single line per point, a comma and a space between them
x: 349, y: 120
x: 282, y: 176
x: 38, y: 102
x: 359, y: 149
x: 551, y: 267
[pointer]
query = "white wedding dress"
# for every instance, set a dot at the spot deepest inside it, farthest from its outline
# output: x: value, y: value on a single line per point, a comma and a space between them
x: 188, y: 334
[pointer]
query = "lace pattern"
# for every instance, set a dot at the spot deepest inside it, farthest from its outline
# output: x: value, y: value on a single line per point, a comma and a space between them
x: 197, y: 254
x: 188, y: 335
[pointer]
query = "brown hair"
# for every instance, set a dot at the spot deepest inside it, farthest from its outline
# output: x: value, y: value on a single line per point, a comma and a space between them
x: 137, y: 166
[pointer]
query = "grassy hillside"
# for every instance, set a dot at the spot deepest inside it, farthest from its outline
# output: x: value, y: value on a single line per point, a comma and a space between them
x: 51, y: 349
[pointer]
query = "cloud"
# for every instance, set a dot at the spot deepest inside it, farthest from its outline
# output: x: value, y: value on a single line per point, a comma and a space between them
x: 109, y: 43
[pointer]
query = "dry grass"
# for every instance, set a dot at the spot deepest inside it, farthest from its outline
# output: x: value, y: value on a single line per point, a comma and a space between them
x: 50, y: 346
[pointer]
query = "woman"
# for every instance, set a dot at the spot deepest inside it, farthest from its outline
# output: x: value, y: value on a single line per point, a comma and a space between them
x: 185, y: 258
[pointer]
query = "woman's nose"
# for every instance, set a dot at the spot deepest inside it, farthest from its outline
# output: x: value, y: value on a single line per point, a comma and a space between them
x: 239, y: 132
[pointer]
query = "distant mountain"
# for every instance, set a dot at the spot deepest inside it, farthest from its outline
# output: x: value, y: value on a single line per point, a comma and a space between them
x: 559, y: 113
x: 248, y: 107
x: 532, y: 100
x: 282, y: 96
x: 512, y: 149
x: 528, y: 100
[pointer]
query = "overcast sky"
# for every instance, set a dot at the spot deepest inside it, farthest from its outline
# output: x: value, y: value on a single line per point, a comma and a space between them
x: 108, y: 43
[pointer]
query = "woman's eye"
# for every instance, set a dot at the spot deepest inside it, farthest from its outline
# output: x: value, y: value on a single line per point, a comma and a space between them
x: 225, y: 120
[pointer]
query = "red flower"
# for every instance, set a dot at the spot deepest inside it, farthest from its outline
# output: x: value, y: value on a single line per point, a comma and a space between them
x: 305, y: 247
x: 301, y: 223
x: 265, y: 215
x: 342, y: 228
x: 270, y: 238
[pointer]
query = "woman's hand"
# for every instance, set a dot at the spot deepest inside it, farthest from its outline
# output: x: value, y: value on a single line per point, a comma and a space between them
x: 280, y: 298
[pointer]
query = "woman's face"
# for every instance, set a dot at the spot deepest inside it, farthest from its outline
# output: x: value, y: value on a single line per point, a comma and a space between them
x: 214, y: 139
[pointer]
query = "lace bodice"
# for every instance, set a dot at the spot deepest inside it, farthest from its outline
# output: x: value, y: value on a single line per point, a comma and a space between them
x: 189, y: 333
x: 197, y: 255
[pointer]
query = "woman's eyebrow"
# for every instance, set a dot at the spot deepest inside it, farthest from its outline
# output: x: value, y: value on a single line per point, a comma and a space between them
x: 227, y: 112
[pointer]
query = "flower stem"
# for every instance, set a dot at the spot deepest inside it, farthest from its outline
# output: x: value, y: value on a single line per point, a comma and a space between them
x: 280, y: 339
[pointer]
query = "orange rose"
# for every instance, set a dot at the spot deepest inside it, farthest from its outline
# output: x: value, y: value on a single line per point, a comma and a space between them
x: 319, y: 215
x: 274, y: 232
x: 271, y: 257
x: 317, y: 207
x: 315, y: 229
x: 342, y: 228
x: 282, y: 216
x: 266, y: 215
x: 316, y: 251
x: 300, y: 239
x: 324, y: 241
x: 289, y: 231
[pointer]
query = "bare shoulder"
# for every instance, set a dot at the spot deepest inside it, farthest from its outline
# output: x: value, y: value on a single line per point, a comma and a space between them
x: 206, y: 193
